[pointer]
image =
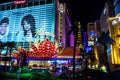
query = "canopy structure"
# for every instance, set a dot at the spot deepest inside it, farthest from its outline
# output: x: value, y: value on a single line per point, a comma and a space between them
x: 47, y: 50
x: 64, y: 53
x: 68, y: 53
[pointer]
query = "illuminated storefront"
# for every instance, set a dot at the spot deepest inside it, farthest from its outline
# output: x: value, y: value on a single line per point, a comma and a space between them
x: 115, y: 34
x: 45, y: 54
x: 114, y: 23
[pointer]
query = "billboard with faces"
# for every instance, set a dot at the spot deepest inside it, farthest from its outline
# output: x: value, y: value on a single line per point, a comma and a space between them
x: 21, y: 24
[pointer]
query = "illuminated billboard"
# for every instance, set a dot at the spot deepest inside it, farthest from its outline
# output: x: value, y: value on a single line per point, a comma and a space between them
x: 21, y: 24
x: 90, y: 43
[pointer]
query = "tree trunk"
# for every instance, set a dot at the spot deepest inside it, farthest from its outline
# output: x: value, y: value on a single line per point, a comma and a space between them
x: 10, y: 56
x: 6, y: 56
x: 106, y: 58
x: 74, y: 58
x: 0, y: 51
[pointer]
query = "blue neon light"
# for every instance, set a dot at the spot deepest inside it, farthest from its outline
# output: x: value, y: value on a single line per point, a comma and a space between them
x: 42, y: 17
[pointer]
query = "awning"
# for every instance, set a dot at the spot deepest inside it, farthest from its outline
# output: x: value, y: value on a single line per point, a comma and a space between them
x: 68, y: 53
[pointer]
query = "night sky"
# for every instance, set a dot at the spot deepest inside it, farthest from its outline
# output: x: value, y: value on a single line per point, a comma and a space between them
x: 83, y: 10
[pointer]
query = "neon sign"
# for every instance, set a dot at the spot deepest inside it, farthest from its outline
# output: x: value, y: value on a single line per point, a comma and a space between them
x: 42, y: 32
x: 16, y: 2
x: 61, y: 8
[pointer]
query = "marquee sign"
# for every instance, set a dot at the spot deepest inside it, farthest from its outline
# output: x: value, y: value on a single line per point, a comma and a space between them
x: 42, y: 32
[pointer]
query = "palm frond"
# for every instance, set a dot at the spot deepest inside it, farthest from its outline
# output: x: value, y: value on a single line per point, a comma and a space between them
x: 105, y: 38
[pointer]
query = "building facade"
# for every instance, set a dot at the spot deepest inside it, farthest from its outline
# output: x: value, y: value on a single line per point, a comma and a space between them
x: 47, y: 18
x: 92, y: 38
x: 114, y: 23
x: 51, y: 20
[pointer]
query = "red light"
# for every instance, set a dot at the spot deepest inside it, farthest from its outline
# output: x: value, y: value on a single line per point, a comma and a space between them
x: 0, y: 59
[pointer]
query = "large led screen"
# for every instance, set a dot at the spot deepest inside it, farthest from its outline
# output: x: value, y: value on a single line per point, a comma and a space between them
x: 21, y: 24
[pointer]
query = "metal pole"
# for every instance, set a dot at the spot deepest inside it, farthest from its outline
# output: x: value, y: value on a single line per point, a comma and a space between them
x: 74, y: 58
x: 19, y: 67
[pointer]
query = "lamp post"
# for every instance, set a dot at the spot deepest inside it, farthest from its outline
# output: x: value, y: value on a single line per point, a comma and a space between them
x: 74, y: 30
x: 19, y: 69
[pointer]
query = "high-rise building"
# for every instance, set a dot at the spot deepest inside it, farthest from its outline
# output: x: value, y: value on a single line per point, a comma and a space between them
x: 91, y: 46
x: 108, y: 11
x: 114, y: 23
x: 91, y: 29
x: 117, y: 6
x: 48, y: 18
x: 32, y: 21
x: 79, y: 42
x: 64, y: 24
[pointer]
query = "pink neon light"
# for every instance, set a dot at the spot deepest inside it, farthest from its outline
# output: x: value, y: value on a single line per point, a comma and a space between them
x: 19, y: 2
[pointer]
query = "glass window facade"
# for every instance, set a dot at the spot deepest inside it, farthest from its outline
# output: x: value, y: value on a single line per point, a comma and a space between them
x: 37, y: 16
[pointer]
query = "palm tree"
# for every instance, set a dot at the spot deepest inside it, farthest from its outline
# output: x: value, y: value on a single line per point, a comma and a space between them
x: 11, y: 46
x: 7, y: 51
x: 74, y: 30
x: 105, y: 40
x: 1, y: 47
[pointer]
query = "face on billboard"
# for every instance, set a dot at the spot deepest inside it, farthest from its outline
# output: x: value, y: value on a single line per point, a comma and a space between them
x: 24, y: 22
x: 3, y: 28
x: 26, y: 26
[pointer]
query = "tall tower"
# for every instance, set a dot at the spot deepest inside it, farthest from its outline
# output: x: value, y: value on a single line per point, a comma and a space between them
x: 64, y: 24
x: 91, y: 33
x: 79, y: 42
